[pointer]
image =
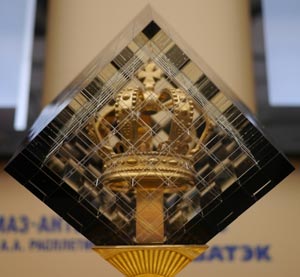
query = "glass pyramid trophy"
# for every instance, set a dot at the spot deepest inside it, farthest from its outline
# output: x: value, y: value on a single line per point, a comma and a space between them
x: 147, y: 153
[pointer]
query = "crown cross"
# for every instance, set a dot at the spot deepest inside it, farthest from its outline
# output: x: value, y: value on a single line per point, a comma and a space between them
x: 150, y: 75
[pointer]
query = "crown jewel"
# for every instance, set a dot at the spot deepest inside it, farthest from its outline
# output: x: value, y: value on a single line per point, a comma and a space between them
x: 131, y: 145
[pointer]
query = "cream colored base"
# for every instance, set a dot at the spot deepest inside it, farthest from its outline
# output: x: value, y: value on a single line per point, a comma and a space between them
x: 150, y: 260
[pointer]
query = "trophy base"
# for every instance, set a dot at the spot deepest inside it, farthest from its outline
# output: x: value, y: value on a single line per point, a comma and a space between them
x: 150, y: 260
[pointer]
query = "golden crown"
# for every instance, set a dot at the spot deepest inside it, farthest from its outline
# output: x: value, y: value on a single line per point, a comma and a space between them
x: 147, y: 137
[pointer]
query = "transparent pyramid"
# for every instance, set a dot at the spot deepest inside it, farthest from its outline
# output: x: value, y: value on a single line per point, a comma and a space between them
x: 147, y: 145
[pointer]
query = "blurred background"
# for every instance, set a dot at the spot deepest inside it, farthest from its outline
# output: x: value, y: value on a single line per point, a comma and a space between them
x: 252, y: 45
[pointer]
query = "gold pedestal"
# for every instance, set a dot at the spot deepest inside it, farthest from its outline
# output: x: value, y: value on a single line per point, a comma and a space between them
x: 150, y: 260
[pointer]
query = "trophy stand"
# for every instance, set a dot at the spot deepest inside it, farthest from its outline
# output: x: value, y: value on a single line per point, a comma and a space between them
x: 150, y: 260
x: 149, y: 155
x: 150, y: 174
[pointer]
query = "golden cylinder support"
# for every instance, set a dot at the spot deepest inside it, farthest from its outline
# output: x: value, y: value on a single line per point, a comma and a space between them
x: 150, y: 260
x: 149, y: 216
